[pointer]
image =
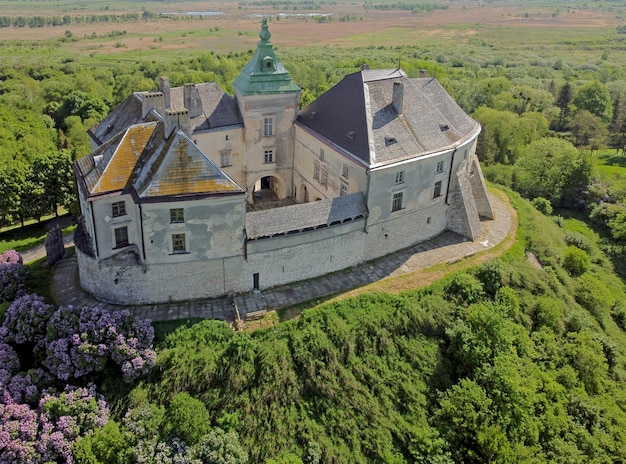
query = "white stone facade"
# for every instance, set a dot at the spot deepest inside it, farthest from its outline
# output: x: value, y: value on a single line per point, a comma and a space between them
x: 379, y: 163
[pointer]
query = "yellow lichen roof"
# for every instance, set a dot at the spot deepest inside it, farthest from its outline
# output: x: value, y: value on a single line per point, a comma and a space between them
x: 118, y: 170
x: 182, y: 169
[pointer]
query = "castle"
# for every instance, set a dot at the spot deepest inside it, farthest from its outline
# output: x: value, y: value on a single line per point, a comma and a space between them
x: 192, y: 193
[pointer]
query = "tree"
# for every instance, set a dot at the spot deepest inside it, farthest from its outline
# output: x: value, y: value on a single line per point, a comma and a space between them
x: 617, y: 128
x: 505, y: 134
x: 12, y: 179
x: 52, y: 176
x: 554, y: 169
x: 588, y: 131
x: 562, y: 102
x: 595, y: 98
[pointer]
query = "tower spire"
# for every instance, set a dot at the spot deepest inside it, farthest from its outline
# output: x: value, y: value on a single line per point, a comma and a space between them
x: 264, y: 74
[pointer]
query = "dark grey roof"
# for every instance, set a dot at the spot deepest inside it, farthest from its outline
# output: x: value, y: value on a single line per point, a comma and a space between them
x: 220, y: 109
x: 125, y: 115
x: 91, y: 167
x: 358, y: 116
x: 305, y: 216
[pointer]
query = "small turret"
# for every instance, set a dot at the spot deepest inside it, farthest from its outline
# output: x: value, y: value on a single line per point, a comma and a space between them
x: 264, y: 74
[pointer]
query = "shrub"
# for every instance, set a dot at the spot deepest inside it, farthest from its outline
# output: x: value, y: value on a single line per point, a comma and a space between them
x: 464, y: 288
x: 26, y: 319
x: 618, y: 313
x: 188, y: 418
x: 490, y: 275
x: 81, y: 341
x: 575, y: 261
x: 578, y: 240
x: 593, y: 295
x: 542, y: 205
x: 13, y: 276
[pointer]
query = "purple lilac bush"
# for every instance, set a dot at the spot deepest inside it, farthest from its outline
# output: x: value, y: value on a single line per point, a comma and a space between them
x: 13, y: 275
x: 81, y: 341
x: 46, y: 433
x: 42, y: 347
x: 66, y: 417
x: 74, y: 342
x: 11, y: 257
x: 26, y: 319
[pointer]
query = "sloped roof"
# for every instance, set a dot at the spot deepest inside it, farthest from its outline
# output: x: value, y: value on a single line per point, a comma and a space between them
x: 264, y: 74
x: 182, y: 169
x: 141, y: 158
x: 125, y: 115
x: 306, y: 216
x: 109, y: 167
x: 219, y: 108
x: 358, y: 115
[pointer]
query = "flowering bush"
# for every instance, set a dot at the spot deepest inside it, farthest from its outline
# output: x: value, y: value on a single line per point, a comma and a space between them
x: 12, y: 275
x: 81, y: 341
x: 46, y: 434
x: 64, y: 418
x: 40, y: 346
x: 18, y: 433
x: 11, y: 257
x: 26, y: 319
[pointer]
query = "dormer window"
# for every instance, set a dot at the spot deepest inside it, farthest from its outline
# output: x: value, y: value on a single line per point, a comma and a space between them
x: 351, y: 135
x: 268, y: 64
x: 390, y: 141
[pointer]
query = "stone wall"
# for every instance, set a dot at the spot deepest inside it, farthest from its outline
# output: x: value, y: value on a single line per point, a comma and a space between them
x: 137, y: 284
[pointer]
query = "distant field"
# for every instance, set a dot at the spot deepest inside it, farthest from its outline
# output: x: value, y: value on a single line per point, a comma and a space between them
x: 540, y: 27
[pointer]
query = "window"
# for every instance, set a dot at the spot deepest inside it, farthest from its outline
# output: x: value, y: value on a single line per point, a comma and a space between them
x: 400, y: 177
x: 344, y: 190
x: 440, y: 166
x: 268, y: 126
x: 118, y: 209
x: 121, y: 237
x: 269, y: 156
x: 178, y: 243
x: 344, y: 171
x: 321, y: 154
x: 324, y: 178
x: 396, y: 203
x: 225, y: 159
x: 227, y: 137
x: 177, y: 215
x: 437, y: 192
x: 316, y: 171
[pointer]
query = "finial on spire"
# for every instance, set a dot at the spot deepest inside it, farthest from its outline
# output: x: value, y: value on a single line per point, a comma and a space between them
x: 265, y: 32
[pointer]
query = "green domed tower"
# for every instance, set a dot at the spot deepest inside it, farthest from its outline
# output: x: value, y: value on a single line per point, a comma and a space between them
x: 268, y: 100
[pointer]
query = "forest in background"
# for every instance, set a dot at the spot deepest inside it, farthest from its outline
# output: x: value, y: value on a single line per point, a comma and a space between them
x: 516, y: 360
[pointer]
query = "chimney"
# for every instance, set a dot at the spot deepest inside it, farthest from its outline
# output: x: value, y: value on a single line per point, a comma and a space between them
x: 152, y: 101
x: 423, y: 73
x: 164, y: 85
x: 191, y: 100
x: 398, y: 96
x: 177, y: 119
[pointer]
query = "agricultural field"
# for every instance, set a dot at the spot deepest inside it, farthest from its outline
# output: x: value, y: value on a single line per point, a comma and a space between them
x: 172, y: 28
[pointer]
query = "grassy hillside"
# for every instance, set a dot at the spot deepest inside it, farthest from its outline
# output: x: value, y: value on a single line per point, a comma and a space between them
x: 517, y: 360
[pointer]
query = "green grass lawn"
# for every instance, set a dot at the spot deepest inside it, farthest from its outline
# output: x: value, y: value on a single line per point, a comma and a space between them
x: 611, y: 165
x: 23, y: 238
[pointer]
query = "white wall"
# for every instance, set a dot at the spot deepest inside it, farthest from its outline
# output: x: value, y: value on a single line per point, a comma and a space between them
x: 307, y: 154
